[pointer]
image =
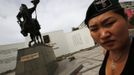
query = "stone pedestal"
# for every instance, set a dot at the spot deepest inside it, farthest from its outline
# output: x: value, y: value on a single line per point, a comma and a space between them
x: 38, y: 60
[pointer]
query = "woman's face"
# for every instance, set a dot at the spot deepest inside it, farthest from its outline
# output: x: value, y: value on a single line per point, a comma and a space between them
x: 109, y: 30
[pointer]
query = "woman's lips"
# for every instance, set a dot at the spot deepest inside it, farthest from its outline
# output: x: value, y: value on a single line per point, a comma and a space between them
x: 108, y: 42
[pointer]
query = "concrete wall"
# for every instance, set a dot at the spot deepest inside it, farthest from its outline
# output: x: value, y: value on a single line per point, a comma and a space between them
x: 59, y: 42
x: 64, y: 43
x: 79, y: 39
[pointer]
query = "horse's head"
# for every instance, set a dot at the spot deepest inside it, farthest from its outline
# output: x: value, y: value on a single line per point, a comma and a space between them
x: 24, y: 33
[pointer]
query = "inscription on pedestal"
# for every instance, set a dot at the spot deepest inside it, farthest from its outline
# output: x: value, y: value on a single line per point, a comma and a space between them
x: 29, y: 57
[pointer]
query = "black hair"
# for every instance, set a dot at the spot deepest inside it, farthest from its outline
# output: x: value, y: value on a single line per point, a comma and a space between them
x: 121, y: 12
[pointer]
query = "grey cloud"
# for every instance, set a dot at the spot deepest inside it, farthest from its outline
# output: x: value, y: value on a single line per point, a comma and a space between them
x: 3, y: 16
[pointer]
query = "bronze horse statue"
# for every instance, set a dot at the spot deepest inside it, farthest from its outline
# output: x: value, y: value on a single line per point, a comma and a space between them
x: 28, y: 24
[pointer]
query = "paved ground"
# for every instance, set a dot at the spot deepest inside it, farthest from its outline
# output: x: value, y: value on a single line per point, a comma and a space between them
x: 90, y: 59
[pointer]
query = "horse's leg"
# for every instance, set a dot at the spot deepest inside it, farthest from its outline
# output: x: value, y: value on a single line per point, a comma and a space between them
x: 30, y: 43
x: 40, y: 37
x: 32, y: 39
x: 37, y: 39
x: 37, y: 36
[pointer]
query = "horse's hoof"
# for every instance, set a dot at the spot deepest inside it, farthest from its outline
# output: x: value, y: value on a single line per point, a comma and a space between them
x: 29, y: 45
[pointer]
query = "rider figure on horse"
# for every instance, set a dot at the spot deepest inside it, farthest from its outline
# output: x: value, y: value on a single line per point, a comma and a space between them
x: 26, y: 14
x: 27, y: 23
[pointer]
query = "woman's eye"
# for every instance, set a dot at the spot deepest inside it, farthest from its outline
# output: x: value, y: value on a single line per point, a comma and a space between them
x: 93, y: 28
x: 108, y: 24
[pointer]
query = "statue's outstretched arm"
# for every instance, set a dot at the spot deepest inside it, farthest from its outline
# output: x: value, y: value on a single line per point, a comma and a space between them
x: 35, y: 3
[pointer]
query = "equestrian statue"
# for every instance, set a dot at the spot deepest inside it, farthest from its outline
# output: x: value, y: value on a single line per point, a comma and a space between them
x: 28, y: 24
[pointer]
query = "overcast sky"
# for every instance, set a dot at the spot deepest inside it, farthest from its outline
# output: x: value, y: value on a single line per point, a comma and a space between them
x: 52, y: 15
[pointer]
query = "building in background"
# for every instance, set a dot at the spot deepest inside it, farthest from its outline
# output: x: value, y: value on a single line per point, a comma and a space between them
x: 129, y: 7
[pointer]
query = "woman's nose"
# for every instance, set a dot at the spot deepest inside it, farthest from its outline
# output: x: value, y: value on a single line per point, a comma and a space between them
x: 104, y: 34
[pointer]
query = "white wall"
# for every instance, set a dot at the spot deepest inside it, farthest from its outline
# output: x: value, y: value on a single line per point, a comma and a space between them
x: 125, y: 0
x: 70, y: 42
x: 58, y: 39
x: 79, y: 39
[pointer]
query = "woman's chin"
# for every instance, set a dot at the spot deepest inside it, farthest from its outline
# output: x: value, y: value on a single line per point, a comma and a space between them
x: 110, y: 47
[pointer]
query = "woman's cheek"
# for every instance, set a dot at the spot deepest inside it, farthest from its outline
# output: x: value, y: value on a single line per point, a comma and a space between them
x: 95, y: 37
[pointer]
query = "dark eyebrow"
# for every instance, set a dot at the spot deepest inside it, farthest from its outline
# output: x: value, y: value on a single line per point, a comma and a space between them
x: 105, y: 20
x: 91, y: 25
